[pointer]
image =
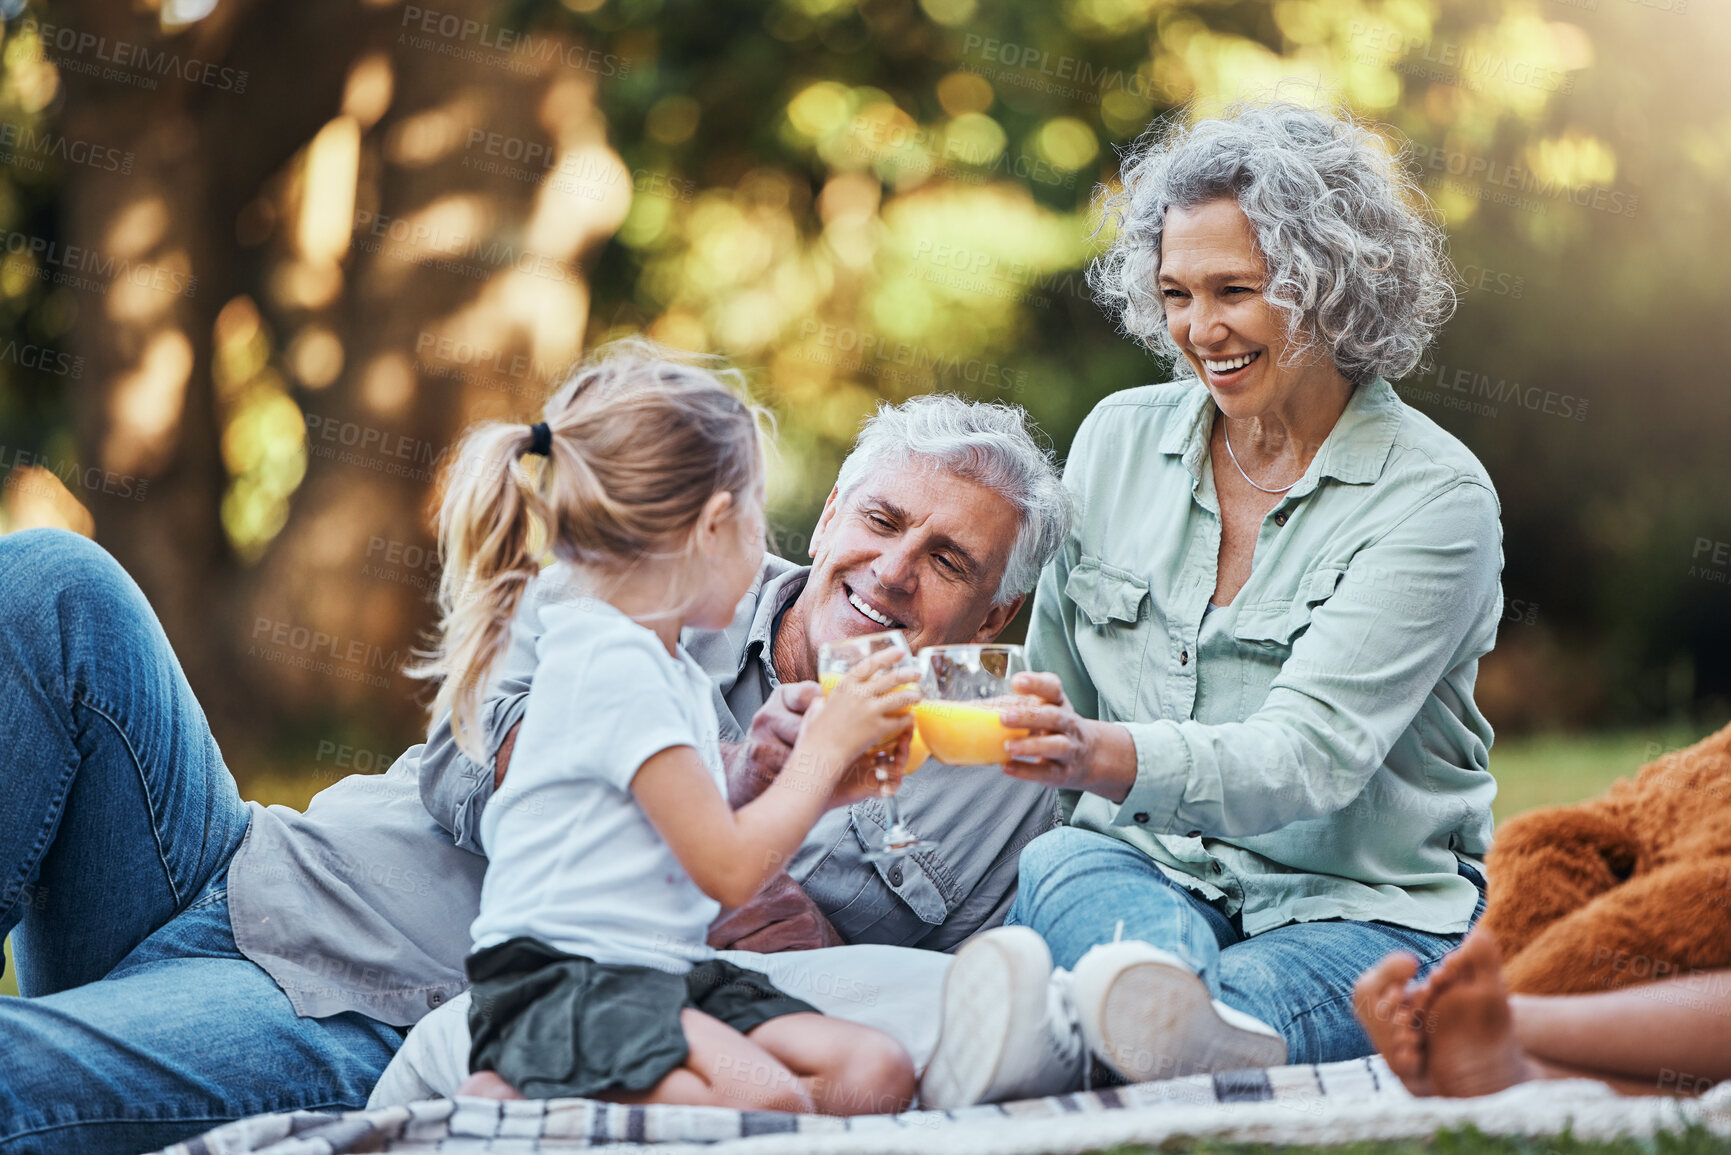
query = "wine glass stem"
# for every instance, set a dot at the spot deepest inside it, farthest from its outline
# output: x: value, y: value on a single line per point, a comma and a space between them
x: 892, y: 815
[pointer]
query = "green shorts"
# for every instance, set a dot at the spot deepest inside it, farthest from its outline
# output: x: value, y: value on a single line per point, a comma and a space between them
x: 557, y: 1025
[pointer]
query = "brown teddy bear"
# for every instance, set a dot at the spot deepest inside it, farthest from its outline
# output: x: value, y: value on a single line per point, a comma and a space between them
x: 1626, y: 888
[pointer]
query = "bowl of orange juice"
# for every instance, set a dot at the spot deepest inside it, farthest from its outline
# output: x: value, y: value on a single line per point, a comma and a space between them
x: 963, y: 688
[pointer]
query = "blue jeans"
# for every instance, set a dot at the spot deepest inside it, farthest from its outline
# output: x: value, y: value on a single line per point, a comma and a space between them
x: 1076, y: 886
x: 141, y: 1023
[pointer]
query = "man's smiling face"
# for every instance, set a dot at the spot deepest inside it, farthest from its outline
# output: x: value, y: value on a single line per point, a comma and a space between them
x: 917, y: 549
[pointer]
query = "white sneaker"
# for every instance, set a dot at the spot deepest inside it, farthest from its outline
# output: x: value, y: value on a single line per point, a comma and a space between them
x: 1008, y: 1031
x: 1148, y: 1016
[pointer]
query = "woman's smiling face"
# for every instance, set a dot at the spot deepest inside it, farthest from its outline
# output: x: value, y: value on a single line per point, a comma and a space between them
x: 1211, y: 280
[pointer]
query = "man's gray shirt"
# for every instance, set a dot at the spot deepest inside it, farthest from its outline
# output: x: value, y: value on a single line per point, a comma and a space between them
x: 363, y: 903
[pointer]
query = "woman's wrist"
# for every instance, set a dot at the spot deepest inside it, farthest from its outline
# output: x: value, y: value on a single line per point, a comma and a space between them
x: 1110, y: 764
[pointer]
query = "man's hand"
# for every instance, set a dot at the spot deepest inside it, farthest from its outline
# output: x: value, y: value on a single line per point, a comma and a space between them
x: 774, y: 729
x: 780, y: 918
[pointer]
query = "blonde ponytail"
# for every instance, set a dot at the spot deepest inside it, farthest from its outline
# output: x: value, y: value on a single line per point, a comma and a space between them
x: 638, y: 439
x: 492, y: 532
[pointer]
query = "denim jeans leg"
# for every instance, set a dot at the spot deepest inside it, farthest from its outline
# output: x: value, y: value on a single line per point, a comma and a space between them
x: 185, y: 1034
x: 1076, y: 887
x: 1299, y: 978
x: 116, y: 809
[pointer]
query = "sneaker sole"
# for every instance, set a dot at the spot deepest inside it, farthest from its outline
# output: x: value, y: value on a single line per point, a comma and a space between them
x: 1157, y: 1021
x: 995, y: 990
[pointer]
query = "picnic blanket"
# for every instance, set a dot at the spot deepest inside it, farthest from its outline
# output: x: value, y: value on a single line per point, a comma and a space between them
x: 1331, y: 1103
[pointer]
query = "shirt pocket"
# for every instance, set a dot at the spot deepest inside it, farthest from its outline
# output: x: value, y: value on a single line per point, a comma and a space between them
x: 1273, y: 625
x: 1110, y: 603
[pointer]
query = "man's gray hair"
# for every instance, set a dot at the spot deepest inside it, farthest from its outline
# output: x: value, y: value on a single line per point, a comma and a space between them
x: 982, y: 442
x: 1353, y: 258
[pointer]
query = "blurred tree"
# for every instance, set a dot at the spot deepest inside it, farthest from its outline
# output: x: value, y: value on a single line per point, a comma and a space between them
x: 396, y: 216
x: 299, y: 218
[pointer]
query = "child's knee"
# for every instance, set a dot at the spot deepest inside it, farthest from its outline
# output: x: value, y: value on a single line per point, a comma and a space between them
x: 883, y: 1072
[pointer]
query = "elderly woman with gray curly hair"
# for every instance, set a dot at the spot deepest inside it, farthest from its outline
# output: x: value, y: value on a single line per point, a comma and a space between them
x: 1262, y: 635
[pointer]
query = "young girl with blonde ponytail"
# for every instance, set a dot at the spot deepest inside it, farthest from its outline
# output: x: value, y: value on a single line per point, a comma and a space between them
x: 611, y: 846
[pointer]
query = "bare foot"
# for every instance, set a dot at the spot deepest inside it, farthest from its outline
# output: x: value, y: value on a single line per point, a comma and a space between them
x: 1470, y: 1039
x: 1389, y: 1012
x: 487, y: 1085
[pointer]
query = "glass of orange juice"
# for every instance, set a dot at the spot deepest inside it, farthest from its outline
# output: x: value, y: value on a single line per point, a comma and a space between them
x: 835, y: 659
x: 963, y: 688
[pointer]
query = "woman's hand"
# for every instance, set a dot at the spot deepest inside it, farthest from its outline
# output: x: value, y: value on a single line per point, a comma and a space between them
x: 1064, y: 749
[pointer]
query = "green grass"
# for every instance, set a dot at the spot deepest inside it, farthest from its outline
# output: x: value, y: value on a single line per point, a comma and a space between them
x: 1551, y: 769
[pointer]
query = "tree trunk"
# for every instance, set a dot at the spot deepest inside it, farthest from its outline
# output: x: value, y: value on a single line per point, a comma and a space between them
x: 448, y: 258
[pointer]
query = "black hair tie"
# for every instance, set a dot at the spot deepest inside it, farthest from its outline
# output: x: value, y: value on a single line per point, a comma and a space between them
x: 540, y: 439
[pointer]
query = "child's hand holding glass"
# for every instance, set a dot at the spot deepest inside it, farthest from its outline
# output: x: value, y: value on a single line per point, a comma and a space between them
x: 863, y: 723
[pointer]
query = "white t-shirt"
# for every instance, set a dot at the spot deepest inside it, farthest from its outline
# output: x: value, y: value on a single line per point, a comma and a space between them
x: 572, y: 860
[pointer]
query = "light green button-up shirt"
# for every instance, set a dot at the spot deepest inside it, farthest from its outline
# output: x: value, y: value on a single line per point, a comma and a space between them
x: 1311, y: 750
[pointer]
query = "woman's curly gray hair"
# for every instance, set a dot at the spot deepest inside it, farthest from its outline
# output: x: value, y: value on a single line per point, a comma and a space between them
x: 1353, y: 258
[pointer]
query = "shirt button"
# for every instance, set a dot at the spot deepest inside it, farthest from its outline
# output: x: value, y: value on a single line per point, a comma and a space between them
x: 1217, y: 868
x: 1142, y: 817
x: 1280, y: 518
x: 896, y: 874
x: 1183, y: 657
x: 434, y: 999
x: 1194, y: 834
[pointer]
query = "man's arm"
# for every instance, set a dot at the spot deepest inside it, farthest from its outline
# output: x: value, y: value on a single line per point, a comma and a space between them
x: 781, y: 917
x: 753, y: 764
x: 454, y: 788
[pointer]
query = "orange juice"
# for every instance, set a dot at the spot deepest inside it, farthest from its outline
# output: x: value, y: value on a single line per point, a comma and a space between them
x: 917, y: 751
x: 965, y: 733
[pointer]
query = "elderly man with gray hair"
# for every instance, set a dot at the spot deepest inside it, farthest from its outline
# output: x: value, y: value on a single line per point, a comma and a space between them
x: 938, y: 525
x: 211, y: 959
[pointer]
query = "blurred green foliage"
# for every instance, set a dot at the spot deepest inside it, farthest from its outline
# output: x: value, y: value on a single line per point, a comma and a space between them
x: 862, y: 200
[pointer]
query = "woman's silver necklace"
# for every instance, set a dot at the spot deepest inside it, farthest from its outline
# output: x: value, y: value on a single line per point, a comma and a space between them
x: 1226, y: 436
